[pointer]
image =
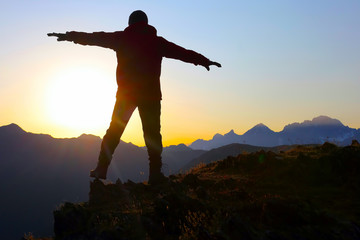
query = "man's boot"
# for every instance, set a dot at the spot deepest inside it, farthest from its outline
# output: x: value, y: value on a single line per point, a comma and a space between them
x: 155, y: 175
x: 101, y: 169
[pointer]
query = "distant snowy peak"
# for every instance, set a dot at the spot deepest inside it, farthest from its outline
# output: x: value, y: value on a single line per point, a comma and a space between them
x: 259, y: 129
x: 324, y: 120
x: 317, y: 121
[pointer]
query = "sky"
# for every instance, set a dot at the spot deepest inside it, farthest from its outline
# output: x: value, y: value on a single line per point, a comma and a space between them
x: 282, y: 62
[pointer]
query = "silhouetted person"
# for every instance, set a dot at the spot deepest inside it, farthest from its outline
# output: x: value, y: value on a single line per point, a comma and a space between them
x: 139, y: 53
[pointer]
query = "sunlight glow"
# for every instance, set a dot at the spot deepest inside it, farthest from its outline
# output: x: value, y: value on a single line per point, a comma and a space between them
x: 81, y: 98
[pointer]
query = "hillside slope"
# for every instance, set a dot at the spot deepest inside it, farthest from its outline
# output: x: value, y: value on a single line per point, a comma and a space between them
x: 229, y: 150
x: 304, y: 193
x: 40, y: 172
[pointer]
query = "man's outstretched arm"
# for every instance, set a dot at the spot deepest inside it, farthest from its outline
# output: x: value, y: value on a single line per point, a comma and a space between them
x: 171, y: 50
x: 101, y: 39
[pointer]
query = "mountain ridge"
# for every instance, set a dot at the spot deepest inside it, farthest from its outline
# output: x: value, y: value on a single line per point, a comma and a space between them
x: 42, y: 172
x: 316, y: 131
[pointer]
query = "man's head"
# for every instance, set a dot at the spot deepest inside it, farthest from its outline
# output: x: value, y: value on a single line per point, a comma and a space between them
x: 137, y: 16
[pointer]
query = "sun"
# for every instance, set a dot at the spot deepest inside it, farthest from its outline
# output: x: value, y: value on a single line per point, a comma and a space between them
x: 81, y: 98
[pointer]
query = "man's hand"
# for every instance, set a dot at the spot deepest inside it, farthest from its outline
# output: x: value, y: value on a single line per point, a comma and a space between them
x: 212, y: 63
x: 60, y: 36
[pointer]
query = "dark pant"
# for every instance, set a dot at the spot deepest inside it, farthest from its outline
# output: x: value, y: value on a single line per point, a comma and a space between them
x: 149, y: 112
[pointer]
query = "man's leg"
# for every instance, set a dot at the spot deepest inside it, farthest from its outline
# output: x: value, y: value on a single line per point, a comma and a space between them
x: 122, y: 112
x: 150, y: 117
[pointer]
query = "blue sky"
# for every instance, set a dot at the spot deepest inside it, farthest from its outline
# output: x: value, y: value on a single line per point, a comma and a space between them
x: 283, y: 62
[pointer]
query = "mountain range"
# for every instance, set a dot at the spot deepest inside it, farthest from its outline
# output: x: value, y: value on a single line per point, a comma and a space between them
x: 308, y: 192
x: 317, y: 131
x: 40, y: 172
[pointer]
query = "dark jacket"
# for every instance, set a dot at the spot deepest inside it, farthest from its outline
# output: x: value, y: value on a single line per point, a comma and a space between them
x: 139, y: 54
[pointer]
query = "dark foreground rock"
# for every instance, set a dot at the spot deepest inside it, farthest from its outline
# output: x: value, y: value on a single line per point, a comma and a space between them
x: 305, y: 193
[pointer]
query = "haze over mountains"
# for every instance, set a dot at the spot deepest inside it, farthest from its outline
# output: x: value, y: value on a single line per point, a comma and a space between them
x: 40, y: 171
x: 317, y: 131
